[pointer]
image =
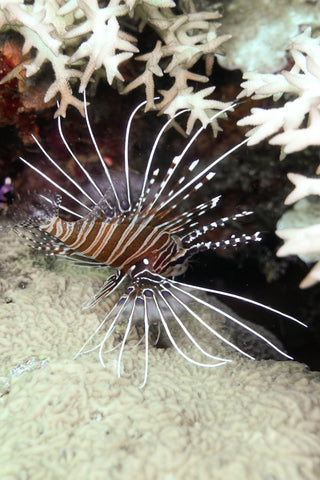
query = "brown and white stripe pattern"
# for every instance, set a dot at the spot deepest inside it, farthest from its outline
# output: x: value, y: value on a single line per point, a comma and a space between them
x: 148, y: 240
x: 119, y: 245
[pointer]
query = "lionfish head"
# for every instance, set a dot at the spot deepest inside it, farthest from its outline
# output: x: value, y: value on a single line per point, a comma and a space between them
x: 147, y: 234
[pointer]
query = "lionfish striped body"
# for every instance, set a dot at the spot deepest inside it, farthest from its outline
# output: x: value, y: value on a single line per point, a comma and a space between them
x: 114, y: 243
x: 148, y: 240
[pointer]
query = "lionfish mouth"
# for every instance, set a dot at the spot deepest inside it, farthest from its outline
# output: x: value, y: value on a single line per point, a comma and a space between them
x: 148, y: 237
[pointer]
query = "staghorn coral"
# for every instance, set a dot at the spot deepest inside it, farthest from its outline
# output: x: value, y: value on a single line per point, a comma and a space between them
x: 185, y: 39
x: 303, y: 83
x: 299, y: 120
x: 303, y: 241
x: 79, y: 37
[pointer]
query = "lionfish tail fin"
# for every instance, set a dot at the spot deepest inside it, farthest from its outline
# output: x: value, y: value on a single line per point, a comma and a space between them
x: 34, y: 209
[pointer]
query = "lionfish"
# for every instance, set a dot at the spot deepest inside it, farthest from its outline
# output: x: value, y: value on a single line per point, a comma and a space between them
x: 148, y: 236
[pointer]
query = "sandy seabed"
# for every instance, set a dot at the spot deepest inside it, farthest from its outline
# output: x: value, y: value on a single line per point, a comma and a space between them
x: 71, y: 419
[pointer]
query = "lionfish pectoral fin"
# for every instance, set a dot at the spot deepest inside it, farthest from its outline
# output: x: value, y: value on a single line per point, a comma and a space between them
x: 107, y: 288
x: 171, y: 309
x: 131, y: 309
x: 182, y: 293
x: 114, y: 315
x: 177, y: 298
x: 192, y: 246
x: 172, y: 305
x: 155, y: 308
x: 147, y: 303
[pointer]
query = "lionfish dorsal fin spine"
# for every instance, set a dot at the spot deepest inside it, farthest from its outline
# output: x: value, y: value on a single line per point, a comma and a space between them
x: 56, y: 185
x: 202, y: 230
x: 182, y: 221
x: 126, y: 151
x: 60, y: 169
x: 197, y: 181
x: 202, y: 246
x: 102, y: 162
x: 79, y: 164
x: 151, y: 155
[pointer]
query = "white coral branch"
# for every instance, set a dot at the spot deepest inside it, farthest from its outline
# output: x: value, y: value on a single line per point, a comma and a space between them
x: 201, y: 108
x: 300, y: 138
x: 304, y: 186
x: 185, y: 39
x: 299, y: 241
x: 303, y: 82
x: 16, y: 13
x: 79, y: 37
x: 101, y: 50
x: 305, y: 240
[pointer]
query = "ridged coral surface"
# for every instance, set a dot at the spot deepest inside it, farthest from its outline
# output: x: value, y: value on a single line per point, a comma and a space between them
x: 72, y: 419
